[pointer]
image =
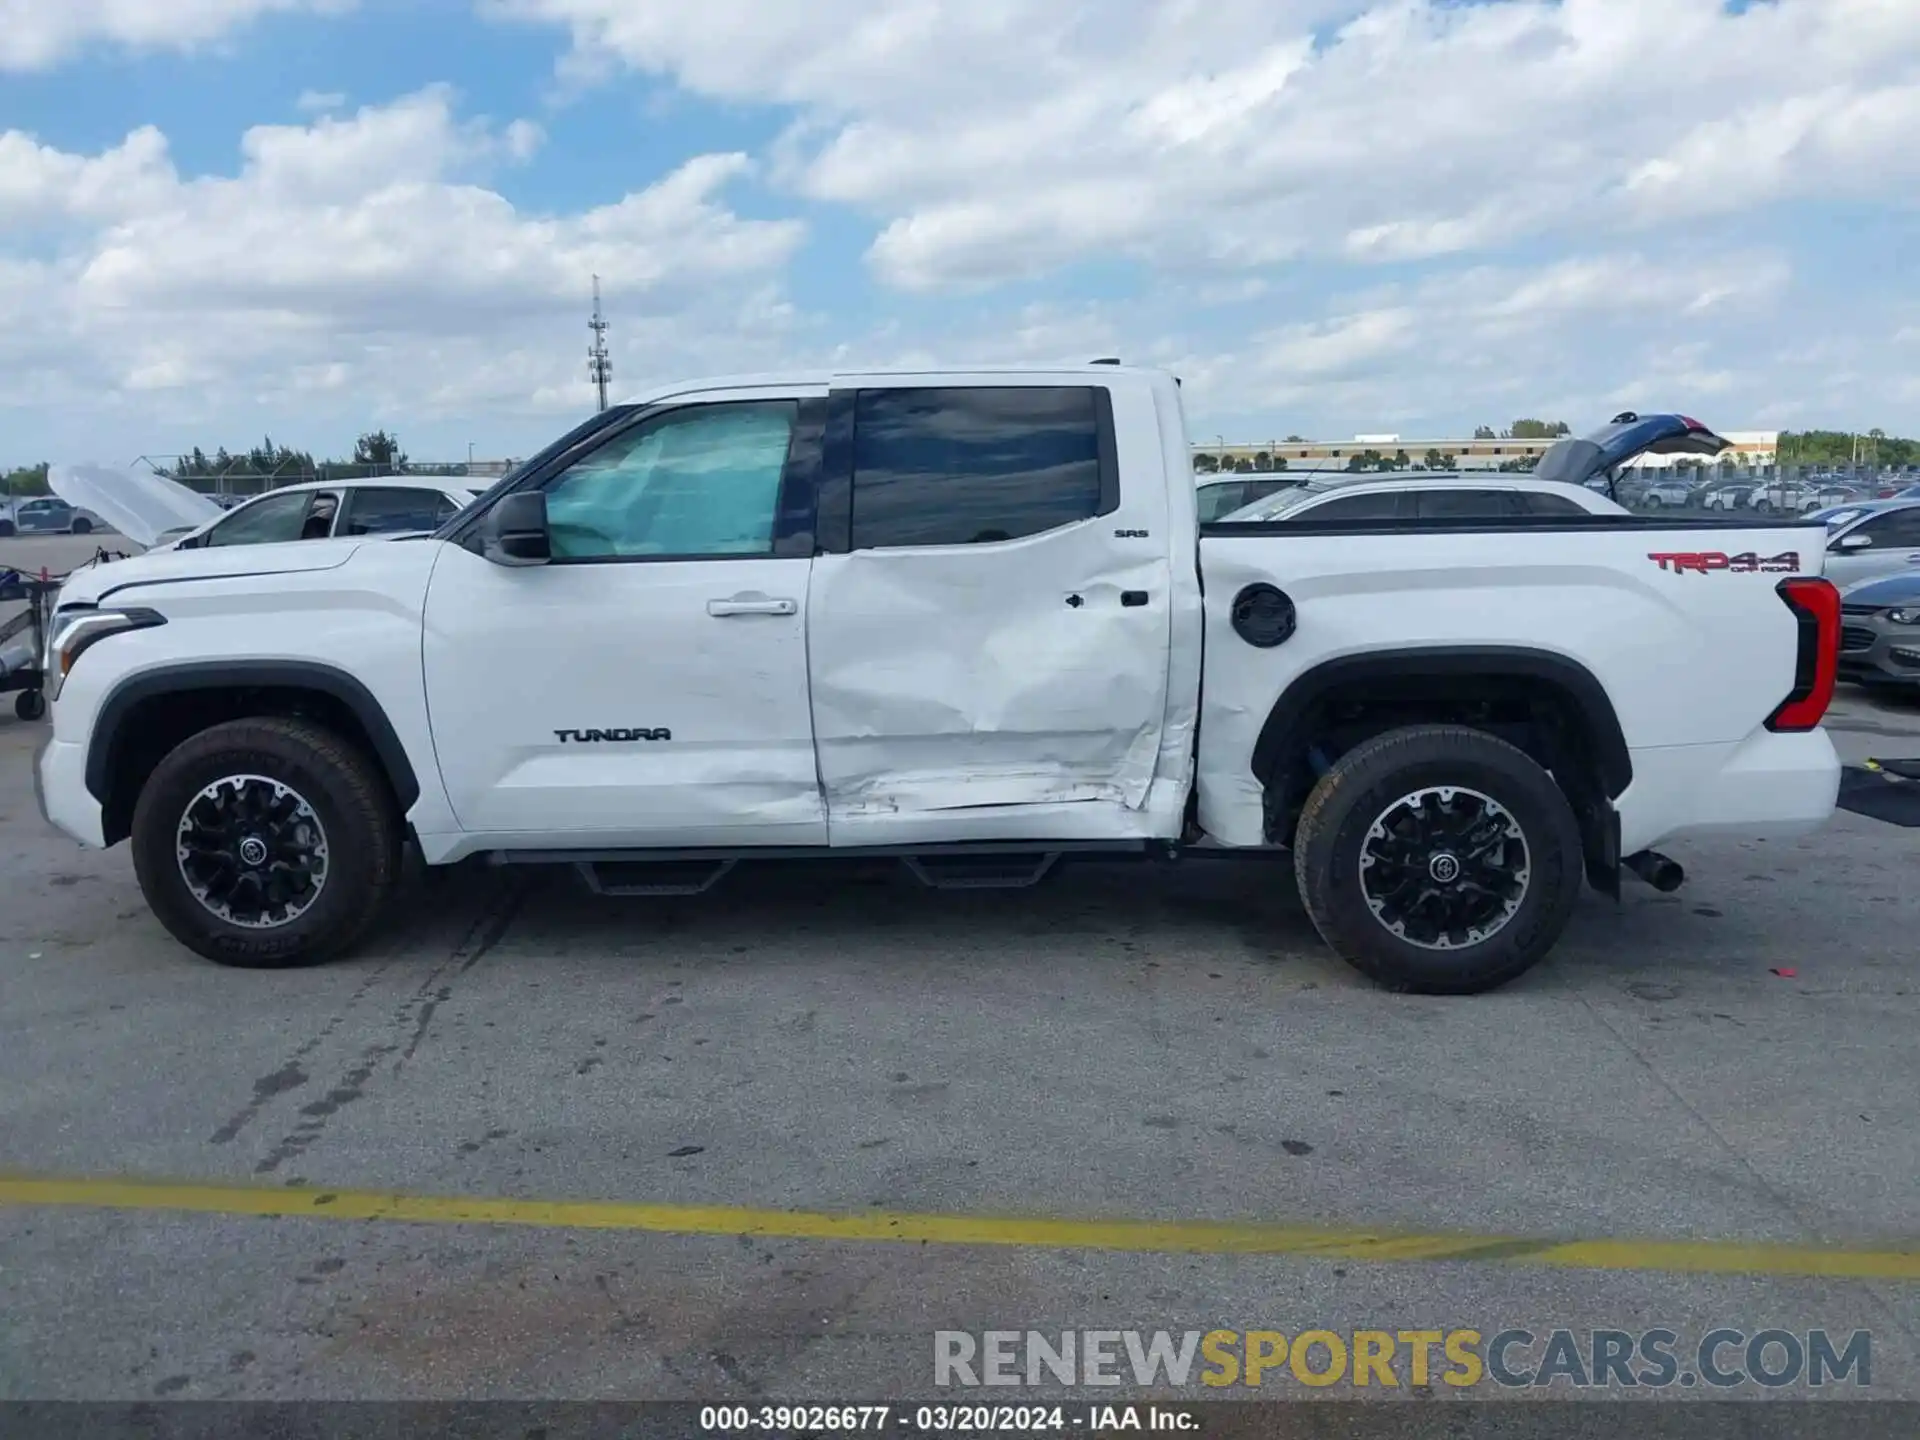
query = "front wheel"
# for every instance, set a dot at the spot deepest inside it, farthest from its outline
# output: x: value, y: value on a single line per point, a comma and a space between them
x: 266, y: 843
x: 30, y: 705
x: 1439, y: 860
x: 82, y: 525
x: 1652, y: 502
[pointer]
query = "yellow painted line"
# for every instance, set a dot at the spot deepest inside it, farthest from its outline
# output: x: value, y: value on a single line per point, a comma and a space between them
x: 1190, y: 1237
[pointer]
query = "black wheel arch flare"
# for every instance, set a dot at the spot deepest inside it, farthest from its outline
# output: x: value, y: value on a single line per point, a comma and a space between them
x: 1612, y: 762
x: 280, y: 675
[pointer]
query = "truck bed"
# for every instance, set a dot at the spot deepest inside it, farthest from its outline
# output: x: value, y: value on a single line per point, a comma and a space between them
x: 1676, y: 627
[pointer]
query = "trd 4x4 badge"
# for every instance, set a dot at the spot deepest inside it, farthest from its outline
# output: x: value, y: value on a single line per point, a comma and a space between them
x: 595, y: 737
x: 1702, y: 563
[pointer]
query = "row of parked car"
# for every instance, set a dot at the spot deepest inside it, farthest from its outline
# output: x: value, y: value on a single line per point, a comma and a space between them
x: 1759, y: 496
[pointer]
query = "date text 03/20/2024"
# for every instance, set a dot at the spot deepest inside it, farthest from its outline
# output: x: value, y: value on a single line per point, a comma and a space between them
x: 945, y: 1419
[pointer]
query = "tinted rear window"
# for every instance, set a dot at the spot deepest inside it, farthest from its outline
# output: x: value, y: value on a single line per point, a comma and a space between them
x: 1378, y: 506
x: 1545, y: 504
x: 973, y: 466
x: 1466, y: 504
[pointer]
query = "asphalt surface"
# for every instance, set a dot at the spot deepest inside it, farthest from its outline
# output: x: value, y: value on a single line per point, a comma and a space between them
x: 1121, y: 1043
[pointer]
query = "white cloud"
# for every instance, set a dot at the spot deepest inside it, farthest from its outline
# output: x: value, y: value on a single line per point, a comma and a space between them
x: 997, y: 139
x: 38, y: 34
x: 364, y: 260
x: 1328, y: 214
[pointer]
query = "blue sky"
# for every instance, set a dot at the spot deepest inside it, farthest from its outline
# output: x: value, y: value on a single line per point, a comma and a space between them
x: 225, y: 218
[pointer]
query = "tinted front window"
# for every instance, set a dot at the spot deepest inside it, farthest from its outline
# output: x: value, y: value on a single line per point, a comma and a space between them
x: 972, y: 466
x: 1379, y: 506
x: 264, y: 522
x: 1466, y: 504
x: 386, y: 510
x: 702, y: 481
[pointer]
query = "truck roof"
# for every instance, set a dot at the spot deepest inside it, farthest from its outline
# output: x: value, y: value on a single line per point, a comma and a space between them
x: 821, y: 379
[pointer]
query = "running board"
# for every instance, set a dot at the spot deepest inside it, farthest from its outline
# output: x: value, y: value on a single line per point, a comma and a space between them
x: 1014, y: 871
x: 685, y: 877
x: 988, y: 865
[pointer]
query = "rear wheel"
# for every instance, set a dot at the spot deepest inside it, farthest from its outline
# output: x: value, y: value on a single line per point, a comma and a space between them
x: 266, y: 844
x: 1438, y: 859
x: 82, y: 525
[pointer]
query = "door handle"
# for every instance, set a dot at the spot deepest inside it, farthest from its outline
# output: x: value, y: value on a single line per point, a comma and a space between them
x: 752, y: 605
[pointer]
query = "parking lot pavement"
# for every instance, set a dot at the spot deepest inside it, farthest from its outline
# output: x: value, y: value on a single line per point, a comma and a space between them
x: 1124, y: 1044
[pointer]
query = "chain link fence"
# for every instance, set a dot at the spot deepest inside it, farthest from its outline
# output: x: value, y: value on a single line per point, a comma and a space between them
x: 240, y: 478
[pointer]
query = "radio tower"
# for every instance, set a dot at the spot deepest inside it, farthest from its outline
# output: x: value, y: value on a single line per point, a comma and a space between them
x: 599, y: 363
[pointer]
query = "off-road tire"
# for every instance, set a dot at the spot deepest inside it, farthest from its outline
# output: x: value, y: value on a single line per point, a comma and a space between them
x: 344, y: 789
x: 1367, y: 780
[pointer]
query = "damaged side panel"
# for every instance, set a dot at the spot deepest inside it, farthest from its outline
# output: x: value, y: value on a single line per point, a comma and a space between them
x: 1017, y: 681
x: 945, y: 681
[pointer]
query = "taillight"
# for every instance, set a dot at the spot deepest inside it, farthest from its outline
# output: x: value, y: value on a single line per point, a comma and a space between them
x: 1816, y: 605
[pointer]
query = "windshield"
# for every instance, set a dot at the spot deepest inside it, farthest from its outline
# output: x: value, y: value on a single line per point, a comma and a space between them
x: 1570, y: 461
x: 1834, y: 519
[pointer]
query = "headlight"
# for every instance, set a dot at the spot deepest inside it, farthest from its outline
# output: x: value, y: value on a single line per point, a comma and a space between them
x: 72, y: 632
x: 1910, y: 615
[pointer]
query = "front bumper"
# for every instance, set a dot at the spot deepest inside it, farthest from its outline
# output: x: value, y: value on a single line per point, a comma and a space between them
x: 1874, y: 651
x: 60, y: 789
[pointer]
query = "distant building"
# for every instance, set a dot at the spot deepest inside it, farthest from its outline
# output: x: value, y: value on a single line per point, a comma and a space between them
x: 1752, y: 449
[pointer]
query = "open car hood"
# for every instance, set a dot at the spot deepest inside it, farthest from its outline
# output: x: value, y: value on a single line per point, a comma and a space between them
x: 1627, y: 438
x: 137, y: 503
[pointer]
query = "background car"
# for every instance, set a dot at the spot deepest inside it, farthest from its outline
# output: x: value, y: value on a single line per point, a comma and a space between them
x: 1880, y: 631
x: 1727, y: 495
x: 1870, y: 539
x: 1658, y: 494
x: 1425, y: 497
x: 318, y: 510
x: 47, y: 515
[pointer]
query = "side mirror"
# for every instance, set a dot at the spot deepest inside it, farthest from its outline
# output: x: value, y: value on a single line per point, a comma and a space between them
x: 515, y: 530
x: 1855, y: 542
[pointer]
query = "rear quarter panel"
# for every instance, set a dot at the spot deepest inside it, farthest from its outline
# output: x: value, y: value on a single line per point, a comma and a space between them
x: 1693, y: 660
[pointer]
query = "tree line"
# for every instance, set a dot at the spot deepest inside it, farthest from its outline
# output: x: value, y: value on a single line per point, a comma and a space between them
x: 375, y: 453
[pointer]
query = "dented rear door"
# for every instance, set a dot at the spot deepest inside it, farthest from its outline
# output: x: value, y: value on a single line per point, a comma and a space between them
x: 988, y: 618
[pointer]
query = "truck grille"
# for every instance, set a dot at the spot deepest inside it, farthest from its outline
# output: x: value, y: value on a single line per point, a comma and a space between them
x: 1856, y: 637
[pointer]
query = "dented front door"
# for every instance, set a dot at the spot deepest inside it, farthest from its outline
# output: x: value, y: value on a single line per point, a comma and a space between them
x: 988, y: 619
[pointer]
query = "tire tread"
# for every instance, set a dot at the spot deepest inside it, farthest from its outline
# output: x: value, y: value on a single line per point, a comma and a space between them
x: 1369, y: 947
x: 356, y: 790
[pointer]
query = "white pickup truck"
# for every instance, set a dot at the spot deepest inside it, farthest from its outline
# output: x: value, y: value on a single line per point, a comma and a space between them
x: 965, y: 619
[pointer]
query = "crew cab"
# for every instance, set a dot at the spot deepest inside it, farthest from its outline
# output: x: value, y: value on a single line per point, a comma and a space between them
x: 969, y: 620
